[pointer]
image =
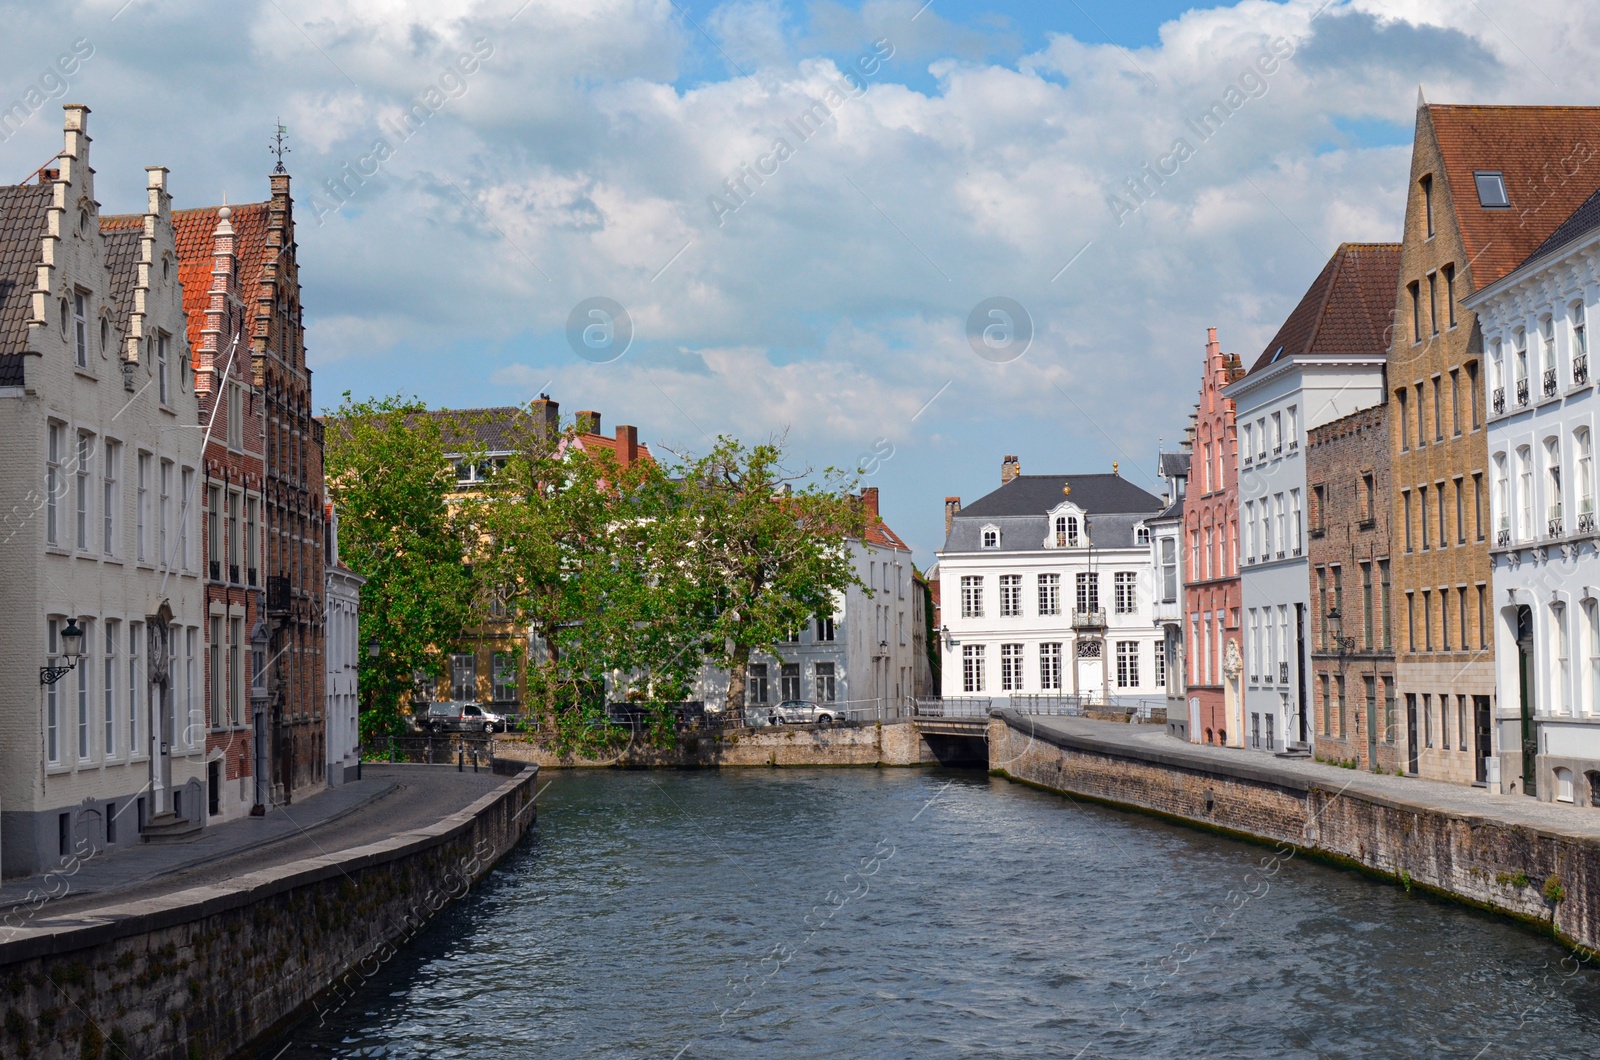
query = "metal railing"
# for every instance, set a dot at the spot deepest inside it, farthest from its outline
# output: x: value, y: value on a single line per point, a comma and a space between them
x: 1549, y: 382
x: 1555, y: 523
x: 1522, y: 392
x: 1580, y: 370
x: 1499, y: 400
x: 1092, y: 619
x: 1502, y: 537
x: 1283, y: 673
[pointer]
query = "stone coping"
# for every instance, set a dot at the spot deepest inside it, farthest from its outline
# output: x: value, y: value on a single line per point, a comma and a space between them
x: 1238, y: 765
x: 65, y: 934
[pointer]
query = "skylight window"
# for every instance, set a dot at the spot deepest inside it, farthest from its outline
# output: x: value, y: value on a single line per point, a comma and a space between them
x: 1491, y: 190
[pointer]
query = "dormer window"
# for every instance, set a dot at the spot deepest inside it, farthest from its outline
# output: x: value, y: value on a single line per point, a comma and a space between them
x: 1491, y: 190
x: 1066, y: 531
x: 991, y: 537
x: 1141, y: 535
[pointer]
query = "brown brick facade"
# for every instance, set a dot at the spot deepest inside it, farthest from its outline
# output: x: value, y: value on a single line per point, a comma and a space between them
x: 1353, y: 692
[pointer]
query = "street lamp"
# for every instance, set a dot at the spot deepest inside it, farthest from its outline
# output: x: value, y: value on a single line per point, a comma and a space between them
x: 373, y: 647
x: 71, y: 650
x: 1336, y: 625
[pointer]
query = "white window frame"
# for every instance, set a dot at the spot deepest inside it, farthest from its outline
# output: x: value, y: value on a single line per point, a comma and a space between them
x: 972, y: 596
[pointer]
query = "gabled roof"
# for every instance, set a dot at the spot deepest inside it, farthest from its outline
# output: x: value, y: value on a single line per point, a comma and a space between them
x: 1038, y: 494
x: 1546, y: 158
x: 122, y: 268
x: 1174, y: 465
x: 193, y: 231
x: 1347, y: 308
x: 22, y: 228
x: 496, y: 429
x: 879, y: 534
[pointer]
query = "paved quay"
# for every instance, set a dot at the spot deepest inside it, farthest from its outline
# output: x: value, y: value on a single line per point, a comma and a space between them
x: 389, y: 799
x: 1149, y: 741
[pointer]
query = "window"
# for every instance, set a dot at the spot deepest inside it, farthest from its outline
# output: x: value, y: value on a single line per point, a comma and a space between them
x: 1385, y: 597
x: 755, y: 684
x: 1339, y: 685
x: 1126, y: 592
x: 1010, y: 595
x: 232, y: 529
x: 136, y: 745
x: 1127, y: 664
x: 1088, y: 592
x: 214, y: 531
x: 80, y: 329
x: 235, y: 416
x: 113, y: 636
x: 1482, y: 643
x: 163, y: 349
x: 1444, y: 619
x: 1209, y: 566
x: 1422, y: 507
x: 1249, y: 532
x: 1591, y: 621
x: 1433, y: 303
x: 1411, y: 621
x: 1491, y: 190
x: 1282, y: 529
x: 826, y: 688
x: 219, y: 682
x: 1524, y: 494
x: 972, y: 667
x: 464, y: 676
x: 1010, y: 667
x: 1207, y: 465
x: 1141, y: 535
x: 1461, y: 513
x: 825, y: 628
x: 991, y: 539
x: 52, y: 704
x: 1049, y: 594
x: 1405, y: 506
x: 1366, y: 606
x: 1450, y: 295
x: 789, y: 680
x: 184, y: 518
x: 1519, y: 364
x: 1426, y: 183
x: 972, y: 596
x: 1421, y: 432
x: 1560, y: 694
x: 1552, y: 485
x: 1369, y: 500
x: 1416, y: 311
x: 251, y: 538
x: 1277, y: 432
x: 142, y: 509
x: 1455, y: 402
x: 1161, y: 664
x: 1472, y: 391
x: 1427, y: 619
x: 83, y: 526
x: 1261, y: 438
x: 1050, y: 667
x: 1427, y: 719
x: 1477, y: 503
x: 1444, y: 538
x: 54, y: 485
x: 503, y: 677
x: 1169, y: 571
x: 1295, y: 527
x: 110, y: 496
x: 1402, y: 399
x: 165, y: 509
x: 1247, y: 450
x: 1066, y: 531
x: 1583, y: 482
x: 85, y: 691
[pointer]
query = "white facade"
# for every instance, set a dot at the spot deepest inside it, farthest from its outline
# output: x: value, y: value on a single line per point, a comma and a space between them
x: 1276, y: 404
x: 342, y: 629
x: 1166, y: 558
x: 1059, y: 600
x: 861, y: 659
x: 101, y: 449
x: 1541, y: 436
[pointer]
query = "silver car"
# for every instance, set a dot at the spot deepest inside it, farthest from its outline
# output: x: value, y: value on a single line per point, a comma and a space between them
x: 801, y: 712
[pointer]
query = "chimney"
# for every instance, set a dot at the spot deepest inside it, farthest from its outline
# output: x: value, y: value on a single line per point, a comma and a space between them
x: 547, y: 413
x: 589, y: 422
x: 869, y: 501
x: 952, y: 505
x: 1010, y: 468
x: 627, y: 445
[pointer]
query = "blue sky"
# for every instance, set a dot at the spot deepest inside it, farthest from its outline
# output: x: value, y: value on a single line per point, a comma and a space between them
x: 589, y: 152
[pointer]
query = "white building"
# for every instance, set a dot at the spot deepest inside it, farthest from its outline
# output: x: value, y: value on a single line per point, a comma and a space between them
x: 1541, y: 432
x: 1048, y: 586
x: 99, y: 431
x: 342, y: 629
x: 1326, y: 361
x: 1166, y: 544
x: 861, y: 659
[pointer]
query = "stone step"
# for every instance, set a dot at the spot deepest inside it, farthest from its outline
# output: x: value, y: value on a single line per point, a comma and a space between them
x: 166, y: 827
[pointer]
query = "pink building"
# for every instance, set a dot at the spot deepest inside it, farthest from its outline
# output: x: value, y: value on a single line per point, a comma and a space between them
x: 1211, y: 560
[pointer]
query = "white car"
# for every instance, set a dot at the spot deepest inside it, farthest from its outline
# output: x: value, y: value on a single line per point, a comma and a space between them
x: 800, y: 712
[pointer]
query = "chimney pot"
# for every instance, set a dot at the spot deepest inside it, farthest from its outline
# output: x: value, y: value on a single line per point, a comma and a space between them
x: 589, y: 422
x: 627, y: 445
x: 869, y: 501
x: 952, y: 505
x: 1010, y: 468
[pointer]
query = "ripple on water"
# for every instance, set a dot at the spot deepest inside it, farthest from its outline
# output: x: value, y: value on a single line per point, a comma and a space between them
x: 641, y: 920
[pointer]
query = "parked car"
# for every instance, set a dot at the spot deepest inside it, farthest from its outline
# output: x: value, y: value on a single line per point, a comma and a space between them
x: 457, y: 716
x: 492, y: 722
x: 800, y: 712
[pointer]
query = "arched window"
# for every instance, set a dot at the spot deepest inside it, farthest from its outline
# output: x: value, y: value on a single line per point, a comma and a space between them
x: 1563, y: 784
x: 1561, y: 659
x: 1502, y: 502
x: 1497, y: 377
x: 1580, y: 343
x: 1524, y: 494
x: 1066, y: 531
x: 1552, y: 486
x: 1547, y: 355
x: 991, y: 538
x: 1583, y: 479
x: 1519, y: 364
x: 1142, y: 535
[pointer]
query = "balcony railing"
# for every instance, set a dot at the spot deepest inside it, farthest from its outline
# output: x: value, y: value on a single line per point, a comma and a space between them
x: 1089, y: 619
x: 250, y: 576
x: 1586, y: 516
x: 1522, y: 392
x: 1555, y: 523
x: 1283, y: 673
x: 215, y: 570
x: 1277, y: 450
x: 1499, y: 400
x: 1580, y: 370
x: 233, y: 573
x: 1549, y: 382
x: 1502, y: 536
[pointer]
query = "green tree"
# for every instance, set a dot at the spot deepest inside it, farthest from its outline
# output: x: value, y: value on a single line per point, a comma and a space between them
x: 390, y: 483
x: 755, y: 551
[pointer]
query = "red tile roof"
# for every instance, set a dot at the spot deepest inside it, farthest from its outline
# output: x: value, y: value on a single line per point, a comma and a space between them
x: 1346, y: 310
x: 194, y: 230
x: 1549, y: 158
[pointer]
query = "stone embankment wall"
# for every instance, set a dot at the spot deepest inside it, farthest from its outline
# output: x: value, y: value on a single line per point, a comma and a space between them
x: 1488, y: 863
x: 217, y: 971
x: 895, y: 744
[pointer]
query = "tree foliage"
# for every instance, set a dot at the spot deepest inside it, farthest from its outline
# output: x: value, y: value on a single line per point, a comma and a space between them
x: 391, y: 485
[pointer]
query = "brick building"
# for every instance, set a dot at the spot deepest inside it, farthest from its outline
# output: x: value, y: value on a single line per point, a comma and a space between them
x: 1211, y: 570
x: 1487, y: 186
x: 230, y: 497
x: 1352, y: 613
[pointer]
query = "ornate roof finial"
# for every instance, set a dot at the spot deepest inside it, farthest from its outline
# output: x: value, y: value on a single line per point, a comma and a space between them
x: 1113, y: 467
x: 1066, y: 489
x: 277, y: 147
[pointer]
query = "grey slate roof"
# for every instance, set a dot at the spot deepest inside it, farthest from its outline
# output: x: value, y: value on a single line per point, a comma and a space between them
x: 1114, y: 505
x: 122, y: 267
x: 1174, y: 465
x: 1585, y: 219
x: 22, y: 226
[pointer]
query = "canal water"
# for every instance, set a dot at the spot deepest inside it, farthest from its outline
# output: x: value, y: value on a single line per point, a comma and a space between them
x: 921, y: 913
